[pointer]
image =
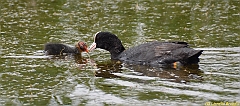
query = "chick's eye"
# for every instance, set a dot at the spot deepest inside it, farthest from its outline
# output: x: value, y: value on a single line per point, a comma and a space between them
x: 82, y: 43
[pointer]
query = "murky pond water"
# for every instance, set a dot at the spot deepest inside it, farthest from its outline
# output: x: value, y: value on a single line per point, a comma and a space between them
x: 28, y: 77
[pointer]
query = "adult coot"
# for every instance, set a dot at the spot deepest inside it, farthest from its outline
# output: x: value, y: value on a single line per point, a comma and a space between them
x: 60, y: 49
x: 152, y: 53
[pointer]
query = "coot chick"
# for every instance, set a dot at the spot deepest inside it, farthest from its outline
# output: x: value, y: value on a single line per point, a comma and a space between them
x: 60, y: 49
x: 152, y: 53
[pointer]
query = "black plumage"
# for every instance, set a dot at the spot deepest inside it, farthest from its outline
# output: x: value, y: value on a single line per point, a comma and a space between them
x: 151, y: 53
x: 60, y: 49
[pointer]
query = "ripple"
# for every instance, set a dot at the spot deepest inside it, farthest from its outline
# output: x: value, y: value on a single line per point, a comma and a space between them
x: 27, y: 77
x: 26, y: 57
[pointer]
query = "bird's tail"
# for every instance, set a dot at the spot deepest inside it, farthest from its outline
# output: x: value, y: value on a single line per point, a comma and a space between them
x: 194, y: 57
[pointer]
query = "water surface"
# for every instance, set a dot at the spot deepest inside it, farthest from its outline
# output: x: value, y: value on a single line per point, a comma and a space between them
x: 28, y: 77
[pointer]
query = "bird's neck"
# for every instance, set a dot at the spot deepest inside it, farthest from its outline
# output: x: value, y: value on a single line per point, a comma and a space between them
x: 116, y: 51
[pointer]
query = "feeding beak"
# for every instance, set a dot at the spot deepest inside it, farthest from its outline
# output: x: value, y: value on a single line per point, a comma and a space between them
x: 92, y: 47
x: 82, y: 47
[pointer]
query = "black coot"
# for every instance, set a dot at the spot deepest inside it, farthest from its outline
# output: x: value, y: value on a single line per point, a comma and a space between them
x: 152, y: 53
x: 60, y: 49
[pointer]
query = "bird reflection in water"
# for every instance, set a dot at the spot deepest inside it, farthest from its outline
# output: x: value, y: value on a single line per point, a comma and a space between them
x: 107, y: 69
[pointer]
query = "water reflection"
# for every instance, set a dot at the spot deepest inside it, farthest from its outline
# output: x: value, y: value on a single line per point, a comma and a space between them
x: 115, y: 69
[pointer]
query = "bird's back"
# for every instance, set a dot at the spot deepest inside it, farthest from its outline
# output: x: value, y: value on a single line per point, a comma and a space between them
x: 58, y: 49
x: 155, y: 53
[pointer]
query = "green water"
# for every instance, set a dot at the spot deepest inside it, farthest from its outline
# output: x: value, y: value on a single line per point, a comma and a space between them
x: 27, y: 77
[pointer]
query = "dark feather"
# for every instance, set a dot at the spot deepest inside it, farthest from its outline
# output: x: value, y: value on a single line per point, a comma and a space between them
x: 59, y: 49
